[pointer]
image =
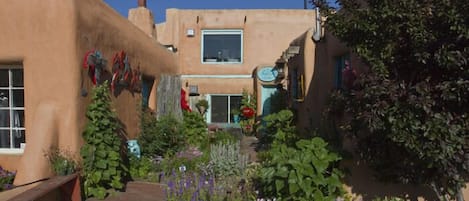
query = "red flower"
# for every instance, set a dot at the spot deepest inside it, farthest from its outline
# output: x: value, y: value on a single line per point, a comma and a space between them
x: 248, y: 112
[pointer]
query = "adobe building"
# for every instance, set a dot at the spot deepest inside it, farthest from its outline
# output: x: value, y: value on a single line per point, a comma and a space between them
x: 220, y: 53
x: 217, y: 54
x: 44, y: 84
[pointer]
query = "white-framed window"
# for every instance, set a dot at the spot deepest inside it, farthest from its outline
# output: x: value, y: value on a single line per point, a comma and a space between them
x: 222, y: 46
x: 12, y: 129
x: 221, y: 106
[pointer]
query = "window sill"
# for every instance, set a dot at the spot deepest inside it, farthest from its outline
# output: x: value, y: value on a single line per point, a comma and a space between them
x: 222, y: 63
x: 4, y: 151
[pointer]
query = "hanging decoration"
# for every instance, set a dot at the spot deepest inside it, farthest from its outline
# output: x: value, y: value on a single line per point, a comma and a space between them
x: 95, y: 63
x: 123, y: 76
x: 184, y: 105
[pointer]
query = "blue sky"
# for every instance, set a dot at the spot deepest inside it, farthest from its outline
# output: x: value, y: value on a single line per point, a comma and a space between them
x: 158, y: 7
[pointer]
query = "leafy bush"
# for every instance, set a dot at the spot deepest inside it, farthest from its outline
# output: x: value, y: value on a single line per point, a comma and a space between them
x: 223, y: 137
x: 408, y: 111
x: 62, y: 162
x: 160, y: 137
x: 226, y: 160
x: 195, y: 129
x: 103, y: 166
x: 6, y: 179
x: 388, y: 199
x: 279, y: 129
x: 304, y: 172
x: 142, y: 168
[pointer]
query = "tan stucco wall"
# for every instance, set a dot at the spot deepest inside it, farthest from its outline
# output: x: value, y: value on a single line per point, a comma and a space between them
x: 266, y: 33
x: 50, y: 38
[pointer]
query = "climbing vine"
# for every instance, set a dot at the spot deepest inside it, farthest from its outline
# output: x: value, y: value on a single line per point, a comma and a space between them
x: 103, y: 166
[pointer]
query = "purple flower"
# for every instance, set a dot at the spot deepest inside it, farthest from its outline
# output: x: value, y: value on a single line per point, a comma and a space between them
x: 171, y: 186
x: 181, y: 188
x: 195, y: 195
x: 188, y: 182
x: 211, y: 185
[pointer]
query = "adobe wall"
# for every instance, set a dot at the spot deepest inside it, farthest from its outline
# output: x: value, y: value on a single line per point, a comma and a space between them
x: 102, y: 28
x: 50, y: 38
x: 266, y: 33
x: 41, y: 35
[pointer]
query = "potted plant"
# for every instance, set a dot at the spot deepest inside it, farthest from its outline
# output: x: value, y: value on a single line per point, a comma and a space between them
x: 202, y: 106
x: 235, y: 113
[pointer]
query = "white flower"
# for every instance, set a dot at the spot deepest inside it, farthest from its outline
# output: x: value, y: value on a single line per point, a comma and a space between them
x: 182, y: 168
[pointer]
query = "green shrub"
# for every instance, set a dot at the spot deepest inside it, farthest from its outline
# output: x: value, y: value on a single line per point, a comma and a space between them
x: 226, y: 160
x: 195, y: 129
x: 223, y: 137
x: 103, y: 166
x: 388, y: 199
x: 142, y: 168
x: 62, y: 162
x: 304, y: 172
x: 279, y: 129
x: 160, y: 137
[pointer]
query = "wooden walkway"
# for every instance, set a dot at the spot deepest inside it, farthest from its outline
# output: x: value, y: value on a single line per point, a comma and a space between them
x: 138, y: 191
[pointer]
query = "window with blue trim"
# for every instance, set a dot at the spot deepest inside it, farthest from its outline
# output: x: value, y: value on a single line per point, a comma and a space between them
x: 222, y: 46
x: 339, y: 67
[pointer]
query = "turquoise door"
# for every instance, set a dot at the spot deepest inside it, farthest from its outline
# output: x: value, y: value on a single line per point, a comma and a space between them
x: 266, y: 99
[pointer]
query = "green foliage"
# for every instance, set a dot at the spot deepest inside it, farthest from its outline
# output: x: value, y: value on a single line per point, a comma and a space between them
x: 279, y: 100
x: 191, y: 164
x: 221, y: 136
x: 103, y: 166
x: 303, y: 172
x: 389, y: 199
x: 409, y: 111
x: 62, y: 162
x: 226, y: 160
x: 195, y: 129
x: 202, y: 103
x: 235, y: 112
x: 279, y: 129
x: 142, y: 168
x: 160, y: 137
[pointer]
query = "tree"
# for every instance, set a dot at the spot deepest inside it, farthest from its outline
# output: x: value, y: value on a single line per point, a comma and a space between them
x: 409, y: 111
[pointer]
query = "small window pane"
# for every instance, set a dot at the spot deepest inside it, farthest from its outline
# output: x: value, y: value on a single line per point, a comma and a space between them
x: 18, y: 98
x: 4, y: 78
x: 18, y: 119
x: 4, y: 97
x: 17, y: 77
x: 4, y: 118
x: 18, y: 138
x: 219, y: 109
x: 4, y: 138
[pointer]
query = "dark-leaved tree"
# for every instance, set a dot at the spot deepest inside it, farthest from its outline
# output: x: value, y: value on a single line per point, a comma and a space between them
x: 410, y: 110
